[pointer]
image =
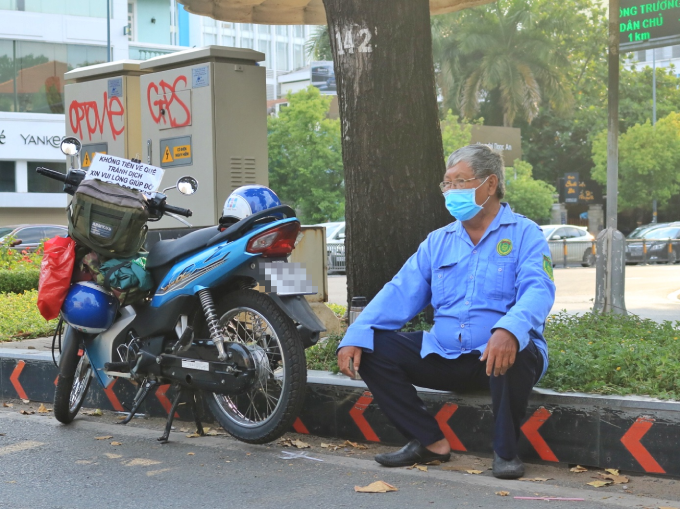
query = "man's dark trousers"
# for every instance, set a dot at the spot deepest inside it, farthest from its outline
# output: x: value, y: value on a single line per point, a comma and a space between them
x: 395, y: 366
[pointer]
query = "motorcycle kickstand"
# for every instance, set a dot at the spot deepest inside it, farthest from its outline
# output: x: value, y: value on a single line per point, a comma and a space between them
x: 171, y: 415
x: 143, y: 392
x: 194, y: 409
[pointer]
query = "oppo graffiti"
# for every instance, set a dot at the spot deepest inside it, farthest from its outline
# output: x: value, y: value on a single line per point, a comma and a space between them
x: 88, y: 112
x: 168, y: 100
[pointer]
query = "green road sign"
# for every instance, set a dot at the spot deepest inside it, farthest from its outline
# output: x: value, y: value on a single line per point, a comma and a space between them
x: 646, y: 24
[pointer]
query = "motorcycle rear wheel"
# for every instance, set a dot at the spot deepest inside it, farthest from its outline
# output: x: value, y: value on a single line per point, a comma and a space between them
x: 71, y: 390
x: 267, y: 410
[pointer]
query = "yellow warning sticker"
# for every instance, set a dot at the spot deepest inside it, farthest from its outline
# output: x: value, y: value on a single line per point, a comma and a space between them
x: 86, y: 160
x: 182, y: 152
x: 167, y: 157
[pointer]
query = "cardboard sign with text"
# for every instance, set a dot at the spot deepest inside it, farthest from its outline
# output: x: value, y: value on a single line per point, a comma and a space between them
x: 125, y: 173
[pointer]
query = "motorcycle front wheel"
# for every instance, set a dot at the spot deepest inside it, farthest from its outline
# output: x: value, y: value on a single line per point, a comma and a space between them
x: 267, y: 410
x: 71, y: 390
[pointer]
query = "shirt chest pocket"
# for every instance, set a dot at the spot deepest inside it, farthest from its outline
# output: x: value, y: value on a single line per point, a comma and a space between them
x: 445, y: 281
x: 499, y: 283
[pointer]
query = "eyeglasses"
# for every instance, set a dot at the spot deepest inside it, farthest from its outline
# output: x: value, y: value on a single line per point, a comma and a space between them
x: 455, y: 184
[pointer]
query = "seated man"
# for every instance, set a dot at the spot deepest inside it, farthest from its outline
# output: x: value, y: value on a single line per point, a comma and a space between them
x: 489, y: 279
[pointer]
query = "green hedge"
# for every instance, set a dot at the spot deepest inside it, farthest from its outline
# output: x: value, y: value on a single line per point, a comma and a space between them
x: 19, y: 280
x: 20, y: 318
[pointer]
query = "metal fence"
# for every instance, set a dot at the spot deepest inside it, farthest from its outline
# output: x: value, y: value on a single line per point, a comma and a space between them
x: 643, y: 251
x: 336, y: 257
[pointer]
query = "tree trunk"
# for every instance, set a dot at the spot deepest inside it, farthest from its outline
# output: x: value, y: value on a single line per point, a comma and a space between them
x: 391, y: 140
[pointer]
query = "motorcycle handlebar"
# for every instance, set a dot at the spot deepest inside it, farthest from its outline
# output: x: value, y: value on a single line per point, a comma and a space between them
x: 56, y: 175
x: 177, y: 210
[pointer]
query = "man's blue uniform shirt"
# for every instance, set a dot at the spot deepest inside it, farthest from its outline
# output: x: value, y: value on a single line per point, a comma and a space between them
x: 505, y: 281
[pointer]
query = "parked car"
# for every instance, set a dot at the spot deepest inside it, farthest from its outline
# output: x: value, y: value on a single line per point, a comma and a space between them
x: 335, y: 245
x: 579, y: 244
x: 638, y: 232
x: 656, y: 240
x: 29, y: 236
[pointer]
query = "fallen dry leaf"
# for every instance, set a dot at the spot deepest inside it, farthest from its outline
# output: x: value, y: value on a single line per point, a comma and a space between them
x: 184, y: 430
x: 26, y: 401
x: 660, y: 507
x: 112, y: 456
x: 7, y: 405
x: 116, y: 443
x: 300, y: 444
x: 613, y: 471
x: 355, y: 445
x: 24, y: 412
x: 42, y: 409
x: 434, y: 463
x: 191, y: 454
x: 422, y: 468
x: 535, y: 479
x: 96, y: 413
x: 11, y: 482
x: 476, y: 472
x: 193, y: 435
x: 104, y: 437
x: 578, y: 469
x: 617, y: 479
x: 599, y: 484
x: 502, y: 493
x: 376, y: 487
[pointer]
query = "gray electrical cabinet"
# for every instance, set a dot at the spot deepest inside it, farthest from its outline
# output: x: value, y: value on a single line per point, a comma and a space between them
x: 103, y: 109
x: 204, y: 114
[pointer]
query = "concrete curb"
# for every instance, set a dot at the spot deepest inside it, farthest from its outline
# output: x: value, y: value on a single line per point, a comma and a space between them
x: 629, y: 433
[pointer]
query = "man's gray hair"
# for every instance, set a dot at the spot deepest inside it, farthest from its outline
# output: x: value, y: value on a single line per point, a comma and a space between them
x: 483, y: 161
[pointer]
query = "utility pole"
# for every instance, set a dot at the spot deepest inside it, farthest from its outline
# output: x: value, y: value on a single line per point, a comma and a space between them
x: 654, y: 214
x: 610, y: 264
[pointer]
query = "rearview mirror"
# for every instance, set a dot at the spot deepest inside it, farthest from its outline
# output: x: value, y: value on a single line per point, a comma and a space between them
x: 71, y: 146
x: 187, y: 185
x: 555, y: 237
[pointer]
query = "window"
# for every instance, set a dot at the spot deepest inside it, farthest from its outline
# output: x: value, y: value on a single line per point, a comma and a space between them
x: 39, y: 184
x: 298, y: 56
x: 676, y: 51
x: 263, y: 29
x: 229, y: 40
x: 642, y: 56
x: 131, y: 21
x: 299, y: 31
x: 246, y: 42
x: 263, y: 46
x: 282, y: 56
x: 89, y: 8
x: 282, y: 30
x: 247, y: 27
x: 209, y: 39
x: 32, y: 235
x: 7, y: 177
x: 51, y: 232
x: 32, y: 73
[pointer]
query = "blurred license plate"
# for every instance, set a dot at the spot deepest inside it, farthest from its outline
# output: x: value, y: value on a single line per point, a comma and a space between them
x: 285, y: 278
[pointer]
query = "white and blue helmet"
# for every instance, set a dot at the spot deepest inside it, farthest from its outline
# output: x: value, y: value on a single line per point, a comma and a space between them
x: 248, y: 200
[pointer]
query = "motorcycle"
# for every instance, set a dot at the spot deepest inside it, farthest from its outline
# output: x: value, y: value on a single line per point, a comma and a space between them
x: 205, y: 329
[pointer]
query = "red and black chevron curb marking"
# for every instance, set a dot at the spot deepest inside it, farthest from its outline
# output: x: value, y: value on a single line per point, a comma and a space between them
x: 113, y: 399
x: 357, y: 415
x: 165, y: 402
x: 14, y: 379
x: 442, y: 418
x: 300, y: 427
x: 631, y: 441
x: 530, y: 430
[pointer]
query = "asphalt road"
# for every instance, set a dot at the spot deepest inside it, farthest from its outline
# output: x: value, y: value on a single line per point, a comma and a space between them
x: 651, y: 291
x: 47, y: 465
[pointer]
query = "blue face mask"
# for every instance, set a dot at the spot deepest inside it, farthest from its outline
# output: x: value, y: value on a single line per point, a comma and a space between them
x: 461, y: 203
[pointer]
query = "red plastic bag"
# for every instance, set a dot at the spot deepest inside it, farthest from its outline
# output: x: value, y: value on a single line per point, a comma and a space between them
x: 56, y: 270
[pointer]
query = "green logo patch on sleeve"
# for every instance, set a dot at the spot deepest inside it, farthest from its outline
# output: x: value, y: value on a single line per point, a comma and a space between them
x: 548, y: 267
x: 504, y: 247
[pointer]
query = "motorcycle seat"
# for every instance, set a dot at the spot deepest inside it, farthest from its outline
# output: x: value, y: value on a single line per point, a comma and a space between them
x: 167, y: 251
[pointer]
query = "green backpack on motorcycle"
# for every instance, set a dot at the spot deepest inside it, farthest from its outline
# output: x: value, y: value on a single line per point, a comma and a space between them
x: 108, y: 219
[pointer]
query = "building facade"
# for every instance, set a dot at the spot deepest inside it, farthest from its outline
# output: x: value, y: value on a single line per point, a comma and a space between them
x: 40, y: 40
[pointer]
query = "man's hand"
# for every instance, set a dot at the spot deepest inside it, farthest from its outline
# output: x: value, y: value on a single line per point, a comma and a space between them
x: 344, y: 355
x: 500, y: 352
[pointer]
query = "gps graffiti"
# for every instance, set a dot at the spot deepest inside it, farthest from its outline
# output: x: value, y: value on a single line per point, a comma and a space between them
x: 169, y: 106
x: 88, y: 112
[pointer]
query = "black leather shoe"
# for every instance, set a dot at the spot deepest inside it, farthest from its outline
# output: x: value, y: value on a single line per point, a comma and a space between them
x: 507, y: 469
x: 411, y: 453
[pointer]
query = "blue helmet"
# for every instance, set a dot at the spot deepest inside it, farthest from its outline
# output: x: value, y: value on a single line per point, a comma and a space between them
x: 247, y: 200
x: 89, y: 308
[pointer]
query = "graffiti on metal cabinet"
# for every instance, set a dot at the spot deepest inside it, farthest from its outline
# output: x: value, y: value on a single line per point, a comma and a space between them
x: 168, y: 101
x: 88, y: 111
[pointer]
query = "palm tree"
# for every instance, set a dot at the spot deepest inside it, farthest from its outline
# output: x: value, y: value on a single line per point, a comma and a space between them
x: 505, y: 54
x: 318, y: 46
